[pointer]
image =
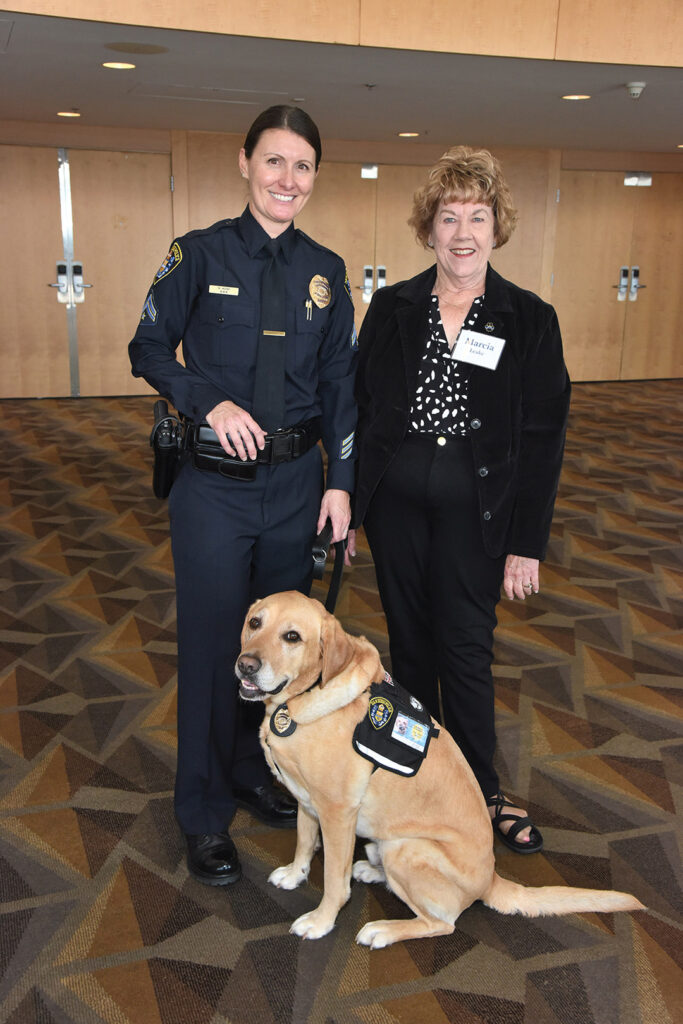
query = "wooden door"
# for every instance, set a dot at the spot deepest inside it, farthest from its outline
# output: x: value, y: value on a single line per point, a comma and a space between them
x: 594, y: 235
x: 654, y: 322
x: 341, y: 215
x: 396, y: 247
x: 122, y: 229
x: 34, y: 347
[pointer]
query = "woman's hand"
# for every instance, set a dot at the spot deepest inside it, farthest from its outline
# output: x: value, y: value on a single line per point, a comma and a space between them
x: 350, y: 548
x: 237, y: 431
x: 520, y: 578
x: 335, y: 506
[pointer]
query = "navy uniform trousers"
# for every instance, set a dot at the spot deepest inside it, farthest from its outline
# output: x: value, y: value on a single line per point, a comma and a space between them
x: 439, y: 590
x: 233, y: 542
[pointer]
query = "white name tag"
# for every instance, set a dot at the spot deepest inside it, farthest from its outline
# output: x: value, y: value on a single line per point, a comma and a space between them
x: 223, y: 289
x: 478, y: 349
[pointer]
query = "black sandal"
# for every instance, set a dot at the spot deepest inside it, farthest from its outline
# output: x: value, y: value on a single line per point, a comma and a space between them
x: 535, y: 844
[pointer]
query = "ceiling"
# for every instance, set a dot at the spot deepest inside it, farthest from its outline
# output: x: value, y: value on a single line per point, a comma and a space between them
x: 208, y: 82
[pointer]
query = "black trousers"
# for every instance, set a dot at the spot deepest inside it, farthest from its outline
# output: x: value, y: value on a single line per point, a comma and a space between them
x: 233, y: 542
x: 439, y: 590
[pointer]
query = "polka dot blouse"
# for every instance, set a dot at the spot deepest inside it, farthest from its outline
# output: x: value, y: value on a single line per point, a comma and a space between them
x: 440, y: 402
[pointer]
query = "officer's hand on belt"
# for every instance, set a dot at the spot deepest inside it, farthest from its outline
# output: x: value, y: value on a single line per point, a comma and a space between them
x: 335, y: 506
x: 234, y: 424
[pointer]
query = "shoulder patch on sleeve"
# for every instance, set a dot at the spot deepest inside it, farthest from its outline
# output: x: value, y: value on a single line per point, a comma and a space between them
x: 174, y: 258
x: 347, y: 284
x: 149, y: 310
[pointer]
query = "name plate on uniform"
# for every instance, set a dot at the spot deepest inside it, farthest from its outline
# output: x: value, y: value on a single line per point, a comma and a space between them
x: 478, y: 349
x: 223, y: 289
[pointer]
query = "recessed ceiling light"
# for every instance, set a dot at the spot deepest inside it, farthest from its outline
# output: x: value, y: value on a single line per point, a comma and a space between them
x: 408, y: 135
x: 118, y: 65
x: 576, y: 96
x: 68, y: 113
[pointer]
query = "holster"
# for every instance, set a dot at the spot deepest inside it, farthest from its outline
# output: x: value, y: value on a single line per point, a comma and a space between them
x: 167, y: 441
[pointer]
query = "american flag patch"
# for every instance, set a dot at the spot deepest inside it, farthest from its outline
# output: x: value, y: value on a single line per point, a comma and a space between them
x: 347, y: 446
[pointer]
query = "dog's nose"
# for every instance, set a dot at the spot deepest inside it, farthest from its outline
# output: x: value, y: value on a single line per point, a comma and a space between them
x: 248, y: 665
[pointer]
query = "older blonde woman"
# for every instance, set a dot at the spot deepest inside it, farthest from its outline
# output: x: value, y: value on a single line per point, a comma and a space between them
x: 463, y: 399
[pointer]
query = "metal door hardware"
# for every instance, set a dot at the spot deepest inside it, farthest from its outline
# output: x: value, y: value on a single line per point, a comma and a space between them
x: 635, y: 284
x: 366, y: 287
x: 62, y: 282
x: 69, y: 284
x: 381, y: 276
x: 77, y: 282
x: 623, y: 284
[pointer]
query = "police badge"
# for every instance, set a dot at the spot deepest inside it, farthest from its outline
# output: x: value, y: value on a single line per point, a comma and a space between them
x: 320, y: 291
x: 281, y: 722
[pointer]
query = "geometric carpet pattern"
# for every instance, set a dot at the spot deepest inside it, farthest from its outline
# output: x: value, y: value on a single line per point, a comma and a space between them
x: 99, y: 921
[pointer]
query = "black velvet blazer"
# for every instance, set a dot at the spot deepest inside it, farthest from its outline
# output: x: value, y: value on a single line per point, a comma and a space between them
x: 517, y: 412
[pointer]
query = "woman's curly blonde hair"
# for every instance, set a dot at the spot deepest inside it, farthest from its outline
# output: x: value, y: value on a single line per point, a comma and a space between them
x: 464, y: 175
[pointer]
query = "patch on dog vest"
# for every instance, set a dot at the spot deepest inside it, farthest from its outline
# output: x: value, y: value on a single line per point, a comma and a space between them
x: 396, y: 731
x: 281, y: 722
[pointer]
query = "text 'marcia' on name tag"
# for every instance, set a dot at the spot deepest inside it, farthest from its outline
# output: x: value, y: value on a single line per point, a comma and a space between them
x: 223, y: 289
x: 478, y: 349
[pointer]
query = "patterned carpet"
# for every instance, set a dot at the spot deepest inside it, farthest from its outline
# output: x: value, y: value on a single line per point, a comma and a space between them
x: 100, y: 922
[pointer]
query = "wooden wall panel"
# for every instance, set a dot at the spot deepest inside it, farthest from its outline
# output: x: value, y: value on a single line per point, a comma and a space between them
x: 621, y: 32
x: 503, y: 28
x: 654, y: 322
x: 311, y: 20
x: 528, y: 174
x: 122, y: 229
x: 34, y: 347
x: 216, y: 188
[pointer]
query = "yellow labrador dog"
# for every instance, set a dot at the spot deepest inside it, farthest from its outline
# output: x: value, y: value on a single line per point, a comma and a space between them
x: 430, y: 833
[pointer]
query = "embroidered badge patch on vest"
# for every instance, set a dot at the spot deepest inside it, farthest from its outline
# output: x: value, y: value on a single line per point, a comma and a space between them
x: 380, y: 711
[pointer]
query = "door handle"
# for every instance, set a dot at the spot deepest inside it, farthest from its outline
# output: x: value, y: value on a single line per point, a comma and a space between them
x: 635, y: 284
x: 62, y: 282
x: 77, y: 282
x: 381, y: 276
x: 623, y: 284
x: 366, y: 286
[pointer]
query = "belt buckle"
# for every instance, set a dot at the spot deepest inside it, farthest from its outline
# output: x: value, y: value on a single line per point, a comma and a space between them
x: 281, y: 446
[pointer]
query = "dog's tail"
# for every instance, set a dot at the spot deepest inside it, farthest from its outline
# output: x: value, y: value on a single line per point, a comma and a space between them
x: 511, y: 898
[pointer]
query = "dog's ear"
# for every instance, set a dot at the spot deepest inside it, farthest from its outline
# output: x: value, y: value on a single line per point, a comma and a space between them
x: 337, y: 648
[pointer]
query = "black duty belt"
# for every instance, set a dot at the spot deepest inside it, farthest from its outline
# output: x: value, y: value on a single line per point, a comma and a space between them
x: 283, y: 446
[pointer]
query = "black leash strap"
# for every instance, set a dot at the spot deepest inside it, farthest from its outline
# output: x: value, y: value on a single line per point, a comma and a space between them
x: 321, y: 547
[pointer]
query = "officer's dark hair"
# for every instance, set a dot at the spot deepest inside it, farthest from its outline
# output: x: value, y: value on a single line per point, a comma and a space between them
x: 282, y: 116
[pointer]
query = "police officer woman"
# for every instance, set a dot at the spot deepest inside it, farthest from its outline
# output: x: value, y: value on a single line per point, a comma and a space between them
x: 265, y: 317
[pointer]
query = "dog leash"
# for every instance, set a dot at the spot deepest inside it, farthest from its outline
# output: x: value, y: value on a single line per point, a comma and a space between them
x: 321, y: 548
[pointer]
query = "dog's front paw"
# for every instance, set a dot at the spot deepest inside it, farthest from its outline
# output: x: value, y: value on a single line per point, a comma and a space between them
x: 312, y: 925
x: 288, y: 876
x: 374, y: 935
x: 364, y: 871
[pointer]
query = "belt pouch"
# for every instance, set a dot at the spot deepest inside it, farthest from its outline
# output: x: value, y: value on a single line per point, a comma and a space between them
x: 209, y: 455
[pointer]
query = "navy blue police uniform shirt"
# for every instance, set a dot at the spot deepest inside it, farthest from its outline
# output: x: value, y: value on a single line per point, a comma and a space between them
x: 207, y: 295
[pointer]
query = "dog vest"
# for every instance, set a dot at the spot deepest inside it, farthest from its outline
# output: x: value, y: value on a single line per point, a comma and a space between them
x: 396, y: 731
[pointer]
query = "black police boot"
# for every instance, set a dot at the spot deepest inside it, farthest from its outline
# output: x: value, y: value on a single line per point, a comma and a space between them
x: 212, y: 859
x: 268, y: 804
